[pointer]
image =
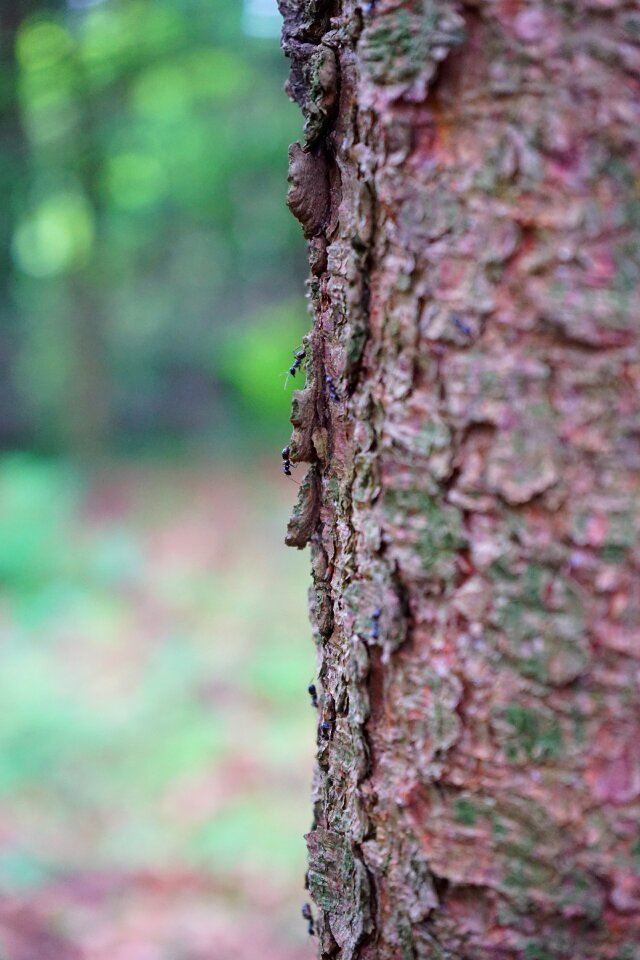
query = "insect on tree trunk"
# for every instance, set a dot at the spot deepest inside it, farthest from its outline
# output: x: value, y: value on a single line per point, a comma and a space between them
x: 469, y: 186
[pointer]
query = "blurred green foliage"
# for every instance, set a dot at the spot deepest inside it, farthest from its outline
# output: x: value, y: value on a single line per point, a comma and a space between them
x: 151, y: 272
x: 154, y: 650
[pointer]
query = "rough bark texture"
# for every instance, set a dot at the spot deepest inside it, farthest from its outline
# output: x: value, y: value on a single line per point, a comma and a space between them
x: 469, y: 184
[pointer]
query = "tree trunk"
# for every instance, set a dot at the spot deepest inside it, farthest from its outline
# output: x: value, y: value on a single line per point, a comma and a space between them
x: 468, y: 184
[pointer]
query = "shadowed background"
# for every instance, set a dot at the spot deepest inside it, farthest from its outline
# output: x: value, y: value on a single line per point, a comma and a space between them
x: 155, y: 735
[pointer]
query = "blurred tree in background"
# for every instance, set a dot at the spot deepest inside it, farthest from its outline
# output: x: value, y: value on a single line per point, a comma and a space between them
x: 151, y: 272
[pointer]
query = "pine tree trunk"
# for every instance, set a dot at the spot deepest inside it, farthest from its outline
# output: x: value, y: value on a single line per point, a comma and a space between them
x: 469, y: 185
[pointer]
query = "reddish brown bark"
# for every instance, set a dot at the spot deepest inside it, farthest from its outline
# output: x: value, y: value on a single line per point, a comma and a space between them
x: 469, y: 186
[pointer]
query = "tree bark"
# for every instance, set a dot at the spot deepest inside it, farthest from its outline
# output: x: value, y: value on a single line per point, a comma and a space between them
x: 468, y: 183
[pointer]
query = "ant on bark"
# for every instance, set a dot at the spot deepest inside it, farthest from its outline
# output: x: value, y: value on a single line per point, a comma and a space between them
x: 333, y: 393
x: 313, y: 693
x: 295, y: 366
x: 328, y: 719
x: 308, y: 916
x: 298, y: 357
x: 287, y: 466
x: 462, y: 325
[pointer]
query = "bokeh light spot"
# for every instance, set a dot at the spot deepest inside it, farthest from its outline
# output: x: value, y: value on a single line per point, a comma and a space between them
x: 56, y: 237
x: 41, y: 44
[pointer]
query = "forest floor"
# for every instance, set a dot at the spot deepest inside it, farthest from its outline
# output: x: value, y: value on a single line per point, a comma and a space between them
x: 155, y: 732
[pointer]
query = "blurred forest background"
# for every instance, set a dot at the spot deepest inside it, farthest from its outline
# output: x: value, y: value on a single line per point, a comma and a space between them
x: 155, y: 736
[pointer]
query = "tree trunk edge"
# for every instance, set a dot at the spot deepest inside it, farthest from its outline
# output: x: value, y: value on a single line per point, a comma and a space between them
x: 468, y: 184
